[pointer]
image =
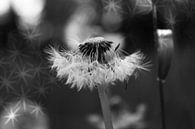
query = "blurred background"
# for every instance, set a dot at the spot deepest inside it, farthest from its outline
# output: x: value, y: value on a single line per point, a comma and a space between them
x: 28, y: 27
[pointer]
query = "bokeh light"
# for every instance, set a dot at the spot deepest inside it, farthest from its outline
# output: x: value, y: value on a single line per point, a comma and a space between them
x: 4, y: 9
x: 80, y: 27
x: 143, y: 6
x: 23, y: 114
x: 28, y: 11
x: 111, y: 21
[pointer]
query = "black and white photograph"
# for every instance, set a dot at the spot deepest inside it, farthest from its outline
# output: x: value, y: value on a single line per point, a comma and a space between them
x: 97, y: 64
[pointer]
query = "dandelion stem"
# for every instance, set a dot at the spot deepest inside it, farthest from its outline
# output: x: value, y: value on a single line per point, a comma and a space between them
x: 162, y: 103
x: 161, y: 83
x: 103, y: 96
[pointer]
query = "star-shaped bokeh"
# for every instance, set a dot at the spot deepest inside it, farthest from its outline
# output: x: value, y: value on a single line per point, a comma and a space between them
x: 41, y: 90
x: 36, y: 109
x: 7, y: 82
x: 16, y: 54
x: 31, y: 34
x: 12, y: 115
x: 113, y: 6
x: 39, y: 70
x: 23, y: 73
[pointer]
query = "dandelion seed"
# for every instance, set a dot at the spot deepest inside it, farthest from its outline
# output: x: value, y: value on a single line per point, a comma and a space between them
x: 94, y: 63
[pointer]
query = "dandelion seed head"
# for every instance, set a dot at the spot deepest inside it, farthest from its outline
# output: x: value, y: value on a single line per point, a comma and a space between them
x: 95, y: 48
x: 94, y: 63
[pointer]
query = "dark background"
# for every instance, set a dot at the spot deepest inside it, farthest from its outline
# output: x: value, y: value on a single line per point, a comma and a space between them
x: 68, y: 109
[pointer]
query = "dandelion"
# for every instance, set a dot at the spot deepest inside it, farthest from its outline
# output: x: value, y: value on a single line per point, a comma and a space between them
x: 95, y: 63
x: 165, y: 52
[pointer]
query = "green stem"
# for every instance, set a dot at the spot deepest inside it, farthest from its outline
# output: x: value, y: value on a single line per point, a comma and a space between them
x: 105, y: 107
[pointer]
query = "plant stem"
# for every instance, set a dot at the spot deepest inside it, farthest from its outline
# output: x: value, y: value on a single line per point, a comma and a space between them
x: 161, y: 83
x: 105, y: 107
x: 162, y: 103
x: 154, y: 19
